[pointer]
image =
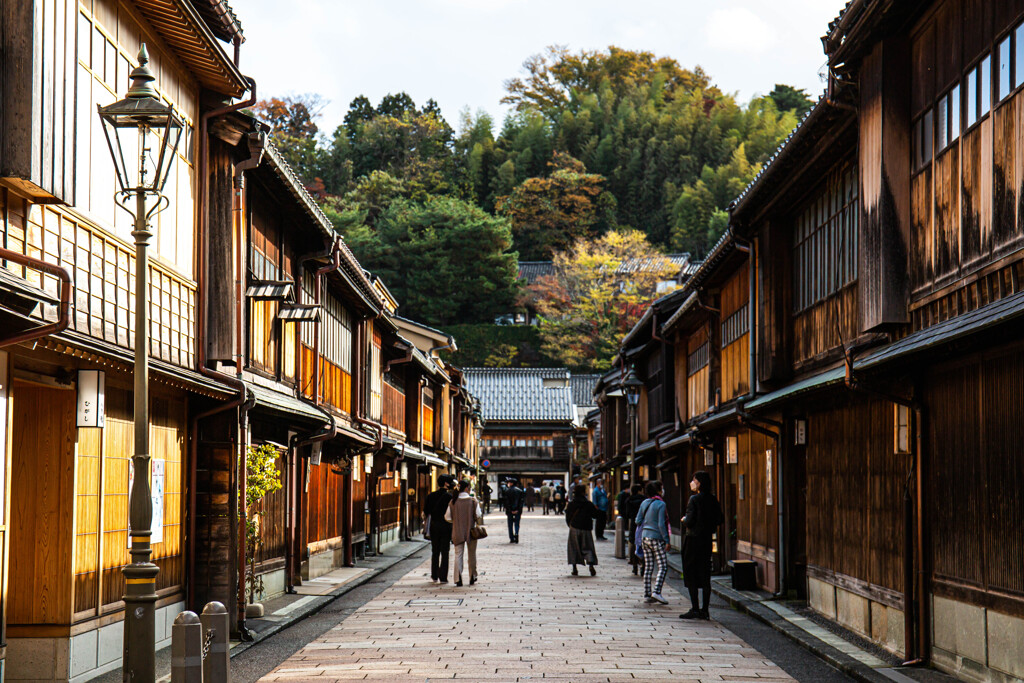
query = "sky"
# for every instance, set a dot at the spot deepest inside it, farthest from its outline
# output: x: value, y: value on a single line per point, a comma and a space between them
x: 460, y: 52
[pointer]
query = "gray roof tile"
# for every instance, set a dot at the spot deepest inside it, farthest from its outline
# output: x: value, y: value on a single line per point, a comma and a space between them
x: 519, y: 395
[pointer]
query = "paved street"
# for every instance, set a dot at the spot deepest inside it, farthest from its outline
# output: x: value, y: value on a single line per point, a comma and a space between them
x: 526, y: 619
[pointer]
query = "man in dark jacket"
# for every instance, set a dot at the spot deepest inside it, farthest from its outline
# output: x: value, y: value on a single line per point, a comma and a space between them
x: 514, y: 497
x: 440, y: 530
x: 633, y: 503
x: 703, y: 517
x: 559, y: 498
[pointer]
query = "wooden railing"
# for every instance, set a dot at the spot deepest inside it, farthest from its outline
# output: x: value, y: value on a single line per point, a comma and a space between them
x: 102, y: 271
x: 335, y: 383
x: 394, y: 407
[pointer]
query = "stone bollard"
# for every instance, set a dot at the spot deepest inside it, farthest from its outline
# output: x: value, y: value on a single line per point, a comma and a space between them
x: 187, y: 649
x: 620, y: 537
x: 217, y: 665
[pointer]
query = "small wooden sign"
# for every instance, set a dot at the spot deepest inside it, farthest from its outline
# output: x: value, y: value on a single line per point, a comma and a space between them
x: 91, y: 403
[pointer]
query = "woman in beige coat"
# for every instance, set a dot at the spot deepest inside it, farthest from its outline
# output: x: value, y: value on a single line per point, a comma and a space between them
x: 464, y: 513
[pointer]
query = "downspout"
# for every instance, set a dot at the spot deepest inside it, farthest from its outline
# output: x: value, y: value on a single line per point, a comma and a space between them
x: 913, y: 577
x: 64, y: 313
x: 751, y: 423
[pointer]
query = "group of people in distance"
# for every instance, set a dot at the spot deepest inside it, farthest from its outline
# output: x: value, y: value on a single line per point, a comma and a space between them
x: 452, y: 516
x: 647, y: 512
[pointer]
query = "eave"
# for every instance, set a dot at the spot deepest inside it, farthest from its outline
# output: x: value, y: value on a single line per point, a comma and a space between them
x: 185, y: 31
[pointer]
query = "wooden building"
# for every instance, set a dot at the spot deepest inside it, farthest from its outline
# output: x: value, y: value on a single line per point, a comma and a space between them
x: 846, y: 362
x: 65, y: 486
x: 529, y: 422
x: 264, y: 331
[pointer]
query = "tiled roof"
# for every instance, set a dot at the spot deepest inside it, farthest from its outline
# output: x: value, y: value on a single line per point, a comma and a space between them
x: 519, y: 395
x: 531, y: 271
x: 634, y: 265
x: 583, y: 389
x: 220, y: 18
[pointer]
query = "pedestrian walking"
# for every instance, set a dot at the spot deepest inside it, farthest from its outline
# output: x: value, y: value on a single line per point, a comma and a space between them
x: 601, y: 503
x: 486, y: 494
x: 502, y: 487
x: 703, y: 517
x: 559, y: 497
x: 463, y: 513
x: 620, y: 503
x: 633, y: 503
x: 531, y: 497
x: 545, y: 497
x: 651, y: 518
x: 514, y: 498
x: 579, y: 517
x: 439, y: 528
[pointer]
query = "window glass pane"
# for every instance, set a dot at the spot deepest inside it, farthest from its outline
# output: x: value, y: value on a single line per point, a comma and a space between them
x: 927, y: 136
x: 1004, y: 68
x: 985, y: 87
x: 954, y: 113
x: 1018, y: 49
x: 941, y: 126
x: 971, y: 97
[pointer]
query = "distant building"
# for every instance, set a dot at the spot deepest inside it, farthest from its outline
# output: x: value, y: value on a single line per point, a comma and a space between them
x: 529, y: 421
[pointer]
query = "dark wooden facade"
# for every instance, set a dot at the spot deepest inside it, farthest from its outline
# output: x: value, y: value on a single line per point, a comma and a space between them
x: 867, y: 463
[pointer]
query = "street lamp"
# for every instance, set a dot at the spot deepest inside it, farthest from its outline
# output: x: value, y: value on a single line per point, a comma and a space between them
x: 631, y: 387
x: 141, y: 127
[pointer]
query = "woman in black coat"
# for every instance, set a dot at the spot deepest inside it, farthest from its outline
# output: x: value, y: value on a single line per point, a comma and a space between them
x: 703, y: 517
x: 580, y: 516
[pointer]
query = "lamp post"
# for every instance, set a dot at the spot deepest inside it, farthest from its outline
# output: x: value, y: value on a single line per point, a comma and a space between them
x: 141, y: 127
x: 631, y: 387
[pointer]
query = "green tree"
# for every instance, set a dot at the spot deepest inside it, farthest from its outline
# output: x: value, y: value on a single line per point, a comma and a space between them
x: 551, y: 213
x: 295, y: 132
x: 588, y: 304
x: 788, y: 98
x: 445, y: 260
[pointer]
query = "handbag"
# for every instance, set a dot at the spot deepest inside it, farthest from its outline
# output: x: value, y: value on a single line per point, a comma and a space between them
x: 478, y: 531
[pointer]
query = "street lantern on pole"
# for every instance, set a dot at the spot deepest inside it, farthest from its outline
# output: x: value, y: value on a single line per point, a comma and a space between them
x: 631, y: 386
x: 142, y: 135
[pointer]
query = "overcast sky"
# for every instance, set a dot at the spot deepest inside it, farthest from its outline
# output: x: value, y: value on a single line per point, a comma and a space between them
x: 460, y: 52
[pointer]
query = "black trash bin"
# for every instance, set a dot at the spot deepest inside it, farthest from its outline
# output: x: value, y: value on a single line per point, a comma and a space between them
x: 744, y: 575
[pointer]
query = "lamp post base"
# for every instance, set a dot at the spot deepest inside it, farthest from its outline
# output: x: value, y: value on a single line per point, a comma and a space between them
x: 140, y: 622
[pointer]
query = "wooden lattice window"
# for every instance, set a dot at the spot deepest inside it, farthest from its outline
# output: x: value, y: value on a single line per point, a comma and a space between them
x: 825, y: 240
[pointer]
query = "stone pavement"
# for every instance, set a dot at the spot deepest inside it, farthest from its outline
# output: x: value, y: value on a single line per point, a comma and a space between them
x: 526, y: 619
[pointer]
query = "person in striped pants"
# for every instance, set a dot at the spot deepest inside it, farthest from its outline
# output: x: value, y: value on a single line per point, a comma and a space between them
x: 652, y: 518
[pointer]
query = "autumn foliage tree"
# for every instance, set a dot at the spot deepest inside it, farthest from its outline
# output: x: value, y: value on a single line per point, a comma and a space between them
x: 590, y: 302
x: 548, y: 214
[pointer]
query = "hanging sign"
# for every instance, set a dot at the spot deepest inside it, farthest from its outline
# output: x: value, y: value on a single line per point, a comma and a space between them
x: 709, y: 457
x: 91, y: 408
x: 317, y: 450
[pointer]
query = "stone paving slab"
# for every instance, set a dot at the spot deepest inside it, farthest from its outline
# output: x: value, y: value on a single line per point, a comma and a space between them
x: 527, y: 619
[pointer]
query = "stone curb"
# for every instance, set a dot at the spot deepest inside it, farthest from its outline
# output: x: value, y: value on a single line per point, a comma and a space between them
x: 317, y: 605
x: 841, y: 661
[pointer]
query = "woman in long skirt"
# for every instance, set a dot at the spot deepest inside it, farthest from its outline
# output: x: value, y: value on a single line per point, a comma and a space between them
x: 580, y: 515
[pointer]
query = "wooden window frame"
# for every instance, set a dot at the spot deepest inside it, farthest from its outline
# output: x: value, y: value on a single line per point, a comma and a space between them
x: 825, y: 235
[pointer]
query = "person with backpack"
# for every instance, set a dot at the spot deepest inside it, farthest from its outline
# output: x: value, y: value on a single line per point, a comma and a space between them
x: 514, y: 498
x: 559, y: 498
x: 703, y: 517
x: 652, y: 527
x: 545, y: 497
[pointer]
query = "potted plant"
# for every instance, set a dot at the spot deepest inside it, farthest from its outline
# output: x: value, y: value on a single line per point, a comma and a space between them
x: 261, y: 478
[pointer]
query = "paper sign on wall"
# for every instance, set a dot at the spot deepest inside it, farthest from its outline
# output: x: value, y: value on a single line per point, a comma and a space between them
x: 91, y: 409
x: 768, y: 477
x: 156, y: 487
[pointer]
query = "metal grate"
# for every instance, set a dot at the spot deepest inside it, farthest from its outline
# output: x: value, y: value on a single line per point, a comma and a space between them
x: 437, y: 602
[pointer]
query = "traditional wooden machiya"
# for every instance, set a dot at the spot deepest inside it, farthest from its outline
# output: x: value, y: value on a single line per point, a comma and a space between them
x: 845, y: 358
